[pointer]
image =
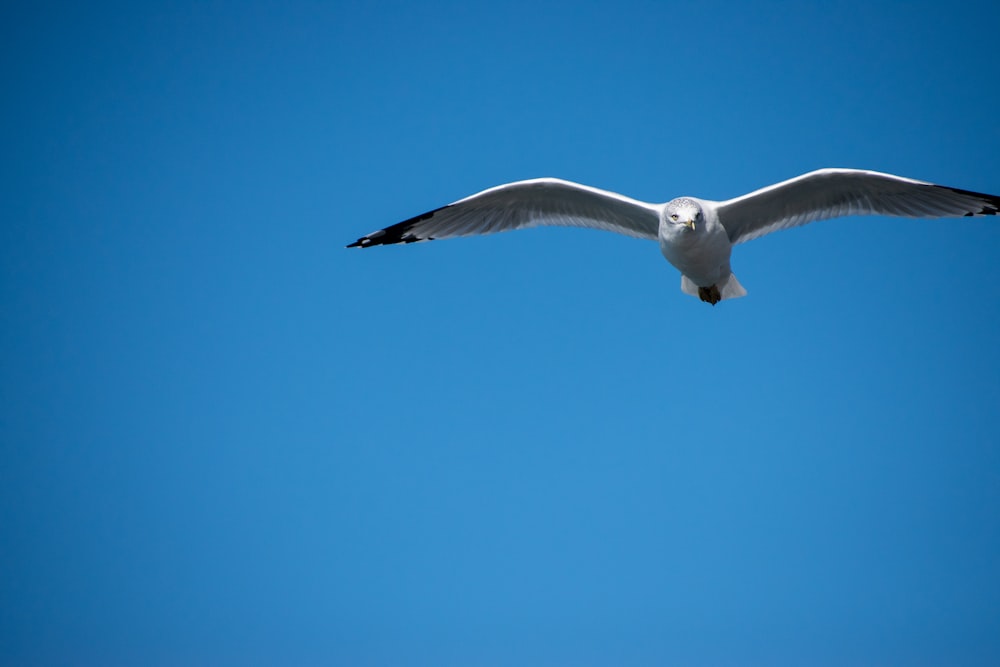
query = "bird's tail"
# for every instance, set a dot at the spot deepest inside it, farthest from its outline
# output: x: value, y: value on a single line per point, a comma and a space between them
x: 729, y: 288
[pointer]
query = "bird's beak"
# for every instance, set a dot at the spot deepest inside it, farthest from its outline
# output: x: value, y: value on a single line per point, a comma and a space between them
x: 689, y: 224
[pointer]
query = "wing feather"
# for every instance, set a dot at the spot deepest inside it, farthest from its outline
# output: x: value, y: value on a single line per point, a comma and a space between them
x: 833, y: 193
x: 543, y: 201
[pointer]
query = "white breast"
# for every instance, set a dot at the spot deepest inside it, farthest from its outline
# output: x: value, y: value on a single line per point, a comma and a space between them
x: 700, y: 254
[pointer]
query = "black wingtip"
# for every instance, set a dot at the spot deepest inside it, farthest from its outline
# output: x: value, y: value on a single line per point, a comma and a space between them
x: 398, y: 233
x: 989, y: 204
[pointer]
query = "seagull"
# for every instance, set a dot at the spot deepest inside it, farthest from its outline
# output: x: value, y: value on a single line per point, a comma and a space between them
x: 695, y: 235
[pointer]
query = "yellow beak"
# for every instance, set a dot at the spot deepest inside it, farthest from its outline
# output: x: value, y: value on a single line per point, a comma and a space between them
x: 690, y: 224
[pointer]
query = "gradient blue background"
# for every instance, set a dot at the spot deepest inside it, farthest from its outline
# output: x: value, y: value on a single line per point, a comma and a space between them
x: 227, y: 440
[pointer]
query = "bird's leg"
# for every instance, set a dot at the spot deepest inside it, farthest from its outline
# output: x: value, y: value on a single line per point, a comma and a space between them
x: 710, y: 294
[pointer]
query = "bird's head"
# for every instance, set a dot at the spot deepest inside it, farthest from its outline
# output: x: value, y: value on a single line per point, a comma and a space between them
x: 683, y: 214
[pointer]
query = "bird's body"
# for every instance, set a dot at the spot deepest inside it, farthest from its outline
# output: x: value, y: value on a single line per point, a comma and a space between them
x: 695, y: 235
x: 700, y: 251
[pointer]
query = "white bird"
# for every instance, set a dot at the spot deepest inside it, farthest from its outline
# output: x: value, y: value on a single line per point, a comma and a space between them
x: 695, y: 235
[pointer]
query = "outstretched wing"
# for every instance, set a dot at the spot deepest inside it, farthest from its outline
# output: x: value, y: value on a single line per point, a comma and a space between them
x: 543, y: 201
x: 832, y: 193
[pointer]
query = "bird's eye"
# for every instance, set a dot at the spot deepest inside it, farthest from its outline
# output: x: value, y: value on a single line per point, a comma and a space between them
x: 674, y: 217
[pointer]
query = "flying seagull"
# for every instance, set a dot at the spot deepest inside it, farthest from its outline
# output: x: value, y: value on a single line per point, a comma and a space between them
x: 695, y: 235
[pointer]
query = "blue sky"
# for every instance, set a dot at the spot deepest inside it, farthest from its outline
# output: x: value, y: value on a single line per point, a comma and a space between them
x: 226, y: 439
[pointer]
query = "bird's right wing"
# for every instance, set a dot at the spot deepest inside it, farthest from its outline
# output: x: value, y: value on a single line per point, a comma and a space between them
x: 543, y: 201
x: 832, y: 193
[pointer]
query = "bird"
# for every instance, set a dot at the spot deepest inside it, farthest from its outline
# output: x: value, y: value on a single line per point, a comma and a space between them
x: 695, y: 235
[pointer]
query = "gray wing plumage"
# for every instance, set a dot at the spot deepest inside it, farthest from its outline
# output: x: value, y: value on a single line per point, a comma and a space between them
x: 543, y: 201
x: 832, y: 193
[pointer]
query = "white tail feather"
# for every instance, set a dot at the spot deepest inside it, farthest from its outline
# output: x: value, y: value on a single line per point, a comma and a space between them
x: 729, y: 288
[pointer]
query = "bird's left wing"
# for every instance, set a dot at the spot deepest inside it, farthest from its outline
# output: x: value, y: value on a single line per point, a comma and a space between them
x: 832, y: 193
x: 543, y: 201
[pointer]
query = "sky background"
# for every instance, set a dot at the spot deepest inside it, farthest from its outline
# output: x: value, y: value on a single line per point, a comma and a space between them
x: 227, y: 440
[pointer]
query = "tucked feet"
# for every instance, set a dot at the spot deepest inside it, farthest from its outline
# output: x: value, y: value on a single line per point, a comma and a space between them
x: 710, y: 294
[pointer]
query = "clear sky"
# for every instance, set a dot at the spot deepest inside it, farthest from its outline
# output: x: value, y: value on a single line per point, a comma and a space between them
x: 228, y: 440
